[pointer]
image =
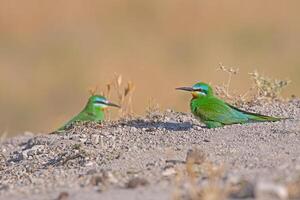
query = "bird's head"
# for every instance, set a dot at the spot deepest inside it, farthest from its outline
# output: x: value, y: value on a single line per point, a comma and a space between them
x: 100, y: 102
x: 198, y: 90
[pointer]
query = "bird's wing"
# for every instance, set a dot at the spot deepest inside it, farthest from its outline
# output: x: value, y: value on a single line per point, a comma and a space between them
x: 214, y: 109
x: 255, y: 116
x: 82, y: 116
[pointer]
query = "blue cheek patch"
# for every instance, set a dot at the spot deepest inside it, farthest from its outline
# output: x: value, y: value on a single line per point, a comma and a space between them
x: 205, y: 87
x: 202, y: 87
x: 100, y: 100
x: 202, y: 93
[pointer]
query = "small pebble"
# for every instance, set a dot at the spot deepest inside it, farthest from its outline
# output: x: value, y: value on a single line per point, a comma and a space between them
x: 63, y: 196
x: 169, y: 171
x: 136, y: 182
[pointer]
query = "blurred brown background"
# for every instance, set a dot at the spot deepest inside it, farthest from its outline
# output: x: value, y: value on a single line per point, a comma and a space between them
x: 52, y: 51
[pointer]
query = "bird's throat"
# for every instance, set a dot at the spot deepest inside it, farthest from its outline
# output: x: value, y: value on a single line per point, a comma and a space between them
x: 195, y: 95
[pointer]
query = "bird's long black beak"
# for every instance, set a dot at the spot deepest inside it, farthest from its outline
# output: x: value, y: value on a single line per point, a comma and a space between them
x: 112, y: 104
x: 185, y: 89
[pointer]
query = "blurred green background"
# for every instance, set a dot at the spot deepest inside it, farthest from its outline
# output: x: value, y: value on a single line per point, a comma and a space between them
x: 52, y: 51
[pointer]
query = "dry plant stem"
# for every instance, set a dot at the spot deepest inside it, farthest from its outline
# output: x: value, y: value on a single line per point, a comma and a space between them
x: 197, y: 166
x: 124, y: 95
x: 267, y: 88
x: 93, y: 90
x: 117, y: 84
x: 177, y: 183
x: 152, y: 106
x: 193, y: 190
x: 3, y: 136
x: 107, y: 94
x: 223, y: 91
x: 230, y: 71
x: 128, y: 92
x: 108, y: 90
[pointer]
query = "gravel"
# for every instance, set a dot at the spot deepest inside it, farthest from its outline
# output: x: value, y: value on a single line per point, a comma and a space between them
x: 147, y: 158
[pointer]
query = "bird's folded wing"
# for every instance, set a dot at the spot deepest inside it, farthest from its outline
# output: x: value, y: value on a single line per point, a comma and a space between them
x: 255, y: 116
x: 219, y: 111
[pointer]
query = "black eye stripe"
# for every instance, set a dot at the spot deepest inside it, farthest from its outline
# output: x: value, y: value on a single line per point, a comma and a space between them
x: 200, y: 90
x: 102, y: 102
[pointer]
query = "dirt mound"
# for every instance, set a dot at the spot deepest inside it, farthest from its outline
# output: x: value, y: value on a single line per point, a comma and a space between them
x: 148, y: 158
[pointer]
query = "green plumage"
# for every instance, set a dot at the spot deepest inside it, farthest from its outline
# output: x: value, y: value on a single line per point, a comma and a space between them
x: 93, y: 111
x: 215, y: 112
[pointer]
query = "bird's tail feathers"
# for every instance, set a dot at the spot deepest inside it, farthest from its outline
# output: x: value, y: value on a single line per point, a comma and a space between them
x: 262, y: 118
x: 255, y: 117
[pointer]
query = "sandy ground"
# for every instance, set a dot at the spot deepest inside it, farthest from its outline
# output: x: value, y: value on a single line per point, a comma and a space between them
x: 166, y: 155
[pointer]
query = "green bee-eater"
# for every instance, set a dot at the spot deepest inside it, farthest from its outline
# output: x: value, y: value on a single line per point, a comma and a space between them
x: 93, y: 111
x: 214, y: 112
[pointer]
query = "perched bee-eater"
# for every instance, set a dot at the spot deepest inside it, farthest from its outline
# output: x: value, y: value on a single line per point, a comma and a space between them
x: 214, y: 112
x: 93, y: 111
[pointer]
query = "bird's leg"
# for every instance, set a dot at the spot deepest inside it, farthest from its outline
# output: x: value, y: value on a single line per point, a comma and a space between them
x: 213, y: 124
